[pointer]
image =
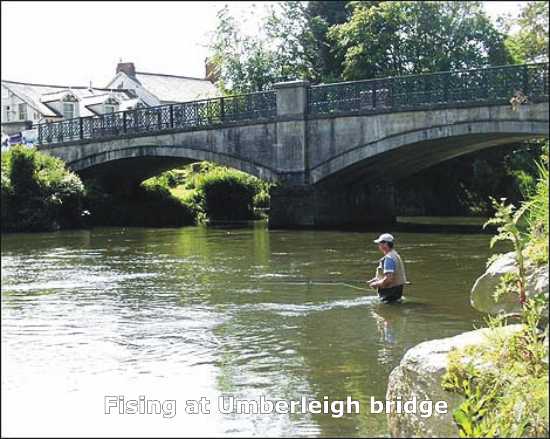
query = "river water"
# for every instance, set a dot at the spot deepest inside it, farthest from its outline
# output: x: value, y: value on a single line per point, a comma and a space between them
x: 180, y: 314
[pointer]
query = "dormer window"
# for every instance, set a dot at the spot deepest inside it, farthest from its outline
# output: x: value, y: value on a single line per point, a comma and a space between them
x: 68, y: 110
x: 69, y: 106
x: 109, y: 108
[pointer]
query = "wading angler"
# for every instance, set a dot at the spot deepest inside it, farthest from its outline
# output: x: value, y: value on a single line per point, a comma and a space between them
x: 335, y: 408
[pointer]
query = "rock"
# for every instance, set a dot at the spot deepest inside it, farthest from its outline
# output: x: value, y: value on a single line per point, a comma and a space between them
x: 482, y: 294
x: 419, y: 374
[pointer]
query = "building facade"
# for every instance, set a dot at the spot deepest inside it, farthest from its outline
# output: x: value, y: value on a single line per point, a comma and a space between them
x: 27, y: 104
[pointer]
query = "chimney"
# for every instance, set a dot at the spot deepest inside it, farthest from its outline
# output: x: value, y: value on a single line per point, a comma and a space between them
x: 212, y: 71
x: 126, y: 67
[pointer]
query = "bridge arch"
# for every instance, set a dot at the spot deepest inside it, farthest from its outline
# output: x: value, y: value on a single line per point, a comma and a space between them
x: 139, y: 162
x: 406, y: 153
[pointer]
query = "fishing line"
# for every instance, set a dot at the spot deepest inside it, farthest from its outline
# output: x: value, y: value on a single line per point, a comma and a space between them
x: 315, y: 282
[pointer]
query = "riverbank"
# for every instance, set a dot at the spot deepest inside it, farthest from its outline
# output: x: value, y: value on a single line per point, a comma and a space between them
x: 40, y: 194
x: 495, y: 379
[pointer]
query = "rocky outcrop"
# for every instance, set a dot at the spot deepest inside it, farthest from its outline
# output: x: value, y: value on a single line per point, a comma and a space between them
x: 482, y: 294
x: 419, y: 375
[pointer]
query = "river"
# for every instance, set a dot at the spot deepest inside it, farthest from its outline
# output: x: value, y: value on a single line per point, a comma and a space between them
x: 180, y: 314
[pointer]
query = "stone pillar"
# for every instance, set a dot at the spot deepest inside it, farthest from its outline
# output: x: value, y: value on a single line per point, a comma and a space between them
x: 297, y: 203
x: 302, y: 206
x: 291, y: 129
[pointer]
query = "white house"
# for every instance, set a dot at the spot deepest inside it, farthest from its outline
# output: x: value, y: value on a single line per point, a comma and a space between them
x: 26, y: 104
x: 159, y: 88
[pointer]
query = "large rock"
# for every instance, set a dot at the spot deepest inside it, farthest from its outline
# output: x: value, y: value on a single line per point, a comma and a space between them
x: 419, y: 374
x: 482, y: 295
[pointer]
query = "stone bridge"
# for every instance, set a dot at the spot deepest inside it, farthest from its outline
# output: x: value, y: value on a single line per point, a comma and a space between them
x: 333, y: 150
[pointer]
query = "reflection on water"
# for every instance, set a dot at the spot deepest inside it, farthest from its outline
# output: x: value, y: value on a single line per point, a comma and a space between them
x: 191, y: 312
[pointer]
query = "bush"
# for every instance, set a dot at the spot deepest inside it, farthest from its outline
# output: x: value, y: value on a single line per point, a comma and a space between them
x: 510, y: 399
x: 38, y: 192
x: 149, y: 205
x: 537, y: 216
x: 215, y: 192
x: 227, y: 194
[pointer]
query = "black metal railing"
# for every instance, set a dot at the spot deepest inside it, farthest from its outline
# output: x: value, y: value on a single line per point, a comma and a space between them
x: 185, y: 115
x: 490, y: 85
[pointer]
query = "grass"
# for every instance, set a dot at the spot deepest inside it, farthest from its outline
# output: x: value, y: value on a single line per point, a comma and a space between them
x: 215, y: 192
x: 504, y: 382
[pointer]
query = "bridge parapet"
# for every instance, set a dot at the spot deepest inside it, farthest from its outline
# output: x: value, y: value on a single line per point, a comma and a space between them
x: 193, y: 115
x: 487, y: 86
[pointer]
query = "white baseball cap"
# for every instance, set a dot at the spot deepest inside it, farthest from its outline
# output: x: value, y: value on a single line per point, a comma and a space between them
x: 384, y: 237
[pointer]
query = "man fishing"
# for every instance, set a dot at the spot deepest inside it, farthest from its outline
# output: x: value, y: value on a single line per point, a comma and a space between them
x: 390, y: 274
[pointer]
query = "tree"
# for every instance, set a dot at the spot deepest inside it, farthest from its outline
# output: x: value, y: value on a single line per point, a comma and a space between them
x: 530, y: 42
x: 242, y: 64
x: 320, y: 16
x: 408, y: 37
x: 286, y: 33
x: 246, y: 63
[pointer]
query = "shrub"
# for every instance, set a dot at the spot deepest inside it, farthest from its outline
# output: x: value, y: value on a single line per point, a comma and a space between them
x: 510, y: 399
x: 216, y: 192
x: 149, y: 205
x: 227, y: 194
x: 537, y: 217
x: 38, y: 192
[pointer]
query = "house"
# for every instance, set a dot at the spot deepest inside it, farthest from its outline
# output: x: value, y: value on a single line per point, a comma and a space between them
x: 159, y: 88
x: 27, y: 104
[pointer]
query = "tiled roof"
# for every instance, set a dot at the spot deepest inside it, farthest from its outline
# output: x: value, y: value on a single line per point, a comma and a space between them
x: 171, y: 88
x: 36, y: 95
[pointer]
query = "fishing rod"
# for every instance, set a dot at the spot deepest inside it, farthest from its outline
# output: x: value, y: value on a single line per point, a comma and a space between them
x: 345, y: 282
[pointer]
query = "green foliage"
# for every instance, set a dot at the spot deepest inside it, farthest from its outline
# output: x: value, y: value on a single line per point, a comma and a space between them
x: 508, y: 396
x: 530, y: 42
x: 228, y: 194
x: 326, y: 66
x: 383, y: 40
x: 507, y: 218
x: 149, y: 205
x: 215, y: 192
x: 247, y: 63
x: 170, y: 179
x: 537, y: 216
x: 38, y: 192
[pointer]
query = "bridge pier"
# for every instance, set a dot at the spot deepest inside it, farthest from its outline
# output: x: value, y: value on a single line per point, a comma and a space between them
x: 303, y: 206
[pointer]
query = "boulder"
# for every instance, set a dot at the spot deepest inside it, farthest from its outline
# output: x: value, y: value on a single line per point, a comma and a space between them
x: 420, y: 374
x: 482, y: 294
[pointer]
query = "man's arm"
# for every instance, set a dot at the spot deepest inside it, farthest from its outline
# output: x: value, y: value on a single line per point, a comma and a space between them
x: 389, y: 268
x: 384, y: 282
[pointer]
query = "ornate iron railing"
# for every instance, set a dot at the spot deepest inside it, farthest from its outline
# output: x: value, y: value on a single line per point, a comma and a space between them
x: 492, y: 85
x: 185, y: 115
x: 488, y: 85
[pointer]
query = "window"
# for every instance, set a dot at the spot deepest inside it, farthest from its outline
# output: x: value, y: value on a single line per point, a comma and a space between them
x: 108, y: 108
x: 68, y: 110
x: 22, y: 111
x: 7, y: 113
